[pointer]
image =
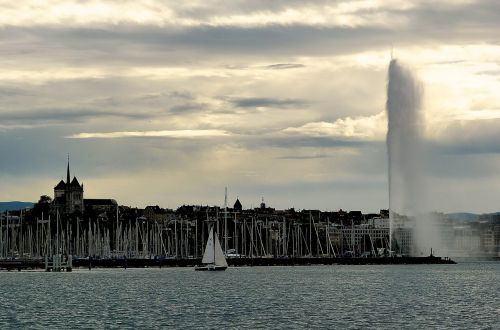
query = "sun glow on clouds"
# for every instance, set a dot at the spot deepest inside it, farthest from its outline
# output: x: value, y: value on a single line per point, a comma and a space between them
x: 486, y: 114
x: 179, y: 134
x: 149, y: 12
x: 369, y: 127
x: 261, y: 91
x: 460, y: 81
x: 374, y: 128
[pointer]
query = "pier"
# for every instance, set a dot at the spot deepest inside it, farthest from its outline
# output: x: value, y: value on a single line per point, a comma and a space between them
x: 233, y: 262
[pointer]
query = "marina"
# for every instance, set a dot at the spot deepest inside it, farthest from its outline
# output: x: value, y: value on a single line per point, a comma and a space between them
x: 176, y: 241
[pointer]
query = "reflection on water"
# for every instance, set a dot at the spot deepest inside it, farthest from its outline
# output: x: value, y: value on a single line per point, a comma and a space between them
x: 445, y: 296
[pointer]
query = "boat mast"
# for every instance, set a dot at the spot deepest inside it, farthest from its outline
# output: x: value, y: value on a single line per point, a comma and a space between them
x: 310, y: 233
x: 225, y: 221
x: 213, y: 241
x: 116, y: 231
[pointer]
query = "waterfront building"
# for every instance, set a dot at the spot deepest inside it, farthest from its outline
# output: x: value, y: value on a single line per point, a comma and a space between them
x: 466, y: 241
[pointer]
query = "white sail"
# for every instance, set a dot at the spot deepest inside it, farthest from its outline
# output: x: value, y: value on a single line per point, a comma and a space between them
x: 220, y: 260
x: 209, y: 256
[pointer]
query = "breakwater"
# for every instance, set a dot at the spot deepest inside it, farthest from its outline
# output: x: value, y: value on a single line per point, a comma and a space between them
x: 233, y: 262
x: 237, y: 262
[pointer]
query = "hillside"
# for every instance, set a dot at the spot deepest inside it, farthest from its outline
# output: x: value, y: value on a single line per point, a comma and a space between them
x: 15, y: 205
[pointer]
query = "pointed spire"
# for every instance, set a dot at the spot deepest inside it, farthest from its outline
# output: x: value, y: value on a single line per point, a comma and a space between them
x: 67, y: 173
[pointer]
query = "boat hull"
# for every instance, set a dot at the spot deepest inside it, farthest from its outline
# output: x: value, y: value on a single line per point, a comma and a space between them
x: 210, y: 268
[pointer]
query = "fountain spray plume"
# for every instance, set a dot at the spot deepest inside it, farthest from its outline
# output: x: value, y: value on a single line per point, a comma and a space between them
x: 405, y: 153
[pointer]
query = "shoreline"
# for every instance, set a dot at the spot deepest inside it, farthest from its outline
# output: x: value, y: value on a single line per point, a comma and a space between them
x: 12, y: 265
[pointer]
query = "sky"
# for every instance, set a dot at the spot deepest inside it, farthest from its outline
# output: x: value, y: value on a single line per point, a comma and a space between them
x: 168, y: 102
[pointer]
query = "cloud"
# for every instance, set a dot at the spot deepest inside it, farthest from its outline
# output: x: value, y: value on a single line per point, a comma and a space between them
x: 8, y: 91
x: 301, y: 157
x: 122, y: 33
x: 265, y: 102
x: 178, y: 134
x: 64, y: 115
x: 312, y: 142
x: 188, y: 107
x: 212, y: 13
x: 465, y: 138
x: 369, y: 127
x: 486, y: 114
x: 284, y: 66
x: 105, y: 78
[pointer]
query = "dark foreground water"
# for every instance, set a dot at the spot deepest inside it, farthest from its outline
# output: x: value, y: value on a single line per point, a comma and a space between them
x: 465, y: 296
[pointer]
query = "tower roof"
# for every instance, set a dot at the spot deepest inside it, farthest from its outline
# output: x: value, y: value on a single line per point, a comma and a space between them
x: 75, y: 182
x: 237, y: 204
x: 60, y: 185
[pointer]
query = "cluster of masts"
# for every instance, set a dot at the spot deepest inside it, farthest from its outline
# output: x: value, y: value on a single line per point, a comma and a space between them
x: 179, y: 237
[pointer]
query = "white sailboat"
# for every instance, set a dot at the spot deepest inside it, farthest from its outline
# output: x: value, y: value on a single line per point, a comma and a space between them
x: 213, y: 257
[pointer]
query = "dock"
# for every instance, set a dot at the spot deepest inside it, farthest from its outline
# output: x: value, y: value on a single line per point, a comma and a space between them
x: 232, y: 262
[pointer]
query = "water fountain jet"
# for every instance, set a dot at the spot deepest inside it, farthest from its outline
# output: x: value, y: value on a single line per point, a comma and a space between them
x: 405, y: 155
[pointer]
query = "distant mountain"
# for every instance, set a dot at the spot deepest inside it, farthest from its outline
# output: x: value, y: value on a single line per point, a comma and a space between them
x: 462, y: 216
x: 471, y: 217
x: 12, y: 206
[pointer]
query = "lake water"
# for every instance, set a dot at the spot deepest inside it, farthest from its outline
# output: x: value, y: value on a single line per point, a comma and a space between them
x: 394, y: 296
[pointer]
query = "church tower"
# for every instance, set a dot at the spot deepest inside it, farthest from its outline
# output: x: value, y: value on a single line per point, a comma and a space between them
x: 68, y: 196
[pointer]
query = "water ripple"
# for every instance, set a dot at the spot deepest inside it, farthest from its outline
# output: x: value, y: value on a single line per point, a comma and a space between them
x: 350, y: 297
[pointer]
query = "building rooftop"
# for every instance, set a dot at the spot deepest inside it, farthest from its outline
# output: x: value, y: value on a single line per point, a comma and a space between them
x: 75, y: 182
x: 61, y: 185
x: 99, y: 201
